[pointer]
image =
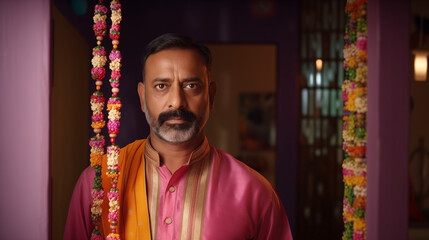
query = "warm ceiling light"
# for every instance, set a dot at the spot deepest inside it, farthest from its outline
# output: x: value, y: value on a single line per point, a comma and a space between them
x: 420, y: 65
x: 319, y: 64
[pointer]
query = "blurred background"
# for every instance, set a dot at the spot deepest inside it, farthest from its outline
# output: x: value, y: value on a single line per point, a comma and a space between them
x: 278, y: 65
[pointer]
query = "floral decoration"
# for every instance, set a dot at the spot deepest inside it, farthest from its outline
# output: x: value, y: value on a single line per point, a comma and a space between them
x: 113, y: 106
x: 97, y: 101
x: 354, y: 90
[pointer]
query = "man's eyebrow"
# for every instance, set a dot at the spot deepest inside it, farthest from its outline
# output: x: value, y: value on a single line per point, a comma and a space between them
x: 192, y: 79
x: 162, y: 80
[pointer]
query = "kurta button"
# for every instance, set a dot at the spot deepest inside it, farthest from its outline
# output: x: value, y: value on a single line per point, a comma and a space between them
x: 168, y: 220
x: 171, y: 189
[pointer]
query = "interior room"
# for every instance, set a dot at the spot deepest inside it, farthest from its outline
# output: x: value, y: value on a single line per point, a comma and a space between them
x: 280, y: 107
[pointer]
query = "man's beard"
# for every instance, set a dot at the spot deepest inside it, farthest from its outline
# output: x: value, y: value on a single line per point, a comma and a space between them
x: 174, y: 133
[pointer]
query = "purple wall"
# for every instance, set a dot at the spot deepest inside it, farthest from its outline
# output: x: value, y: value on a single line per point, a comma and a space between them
x: 388, y: 113
x: 24, y: 122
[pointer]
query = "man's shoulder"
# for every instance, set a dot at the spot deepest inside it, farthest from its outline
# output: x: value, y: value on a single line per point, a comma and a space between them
x: 135, y: 146
x: 135, y: 143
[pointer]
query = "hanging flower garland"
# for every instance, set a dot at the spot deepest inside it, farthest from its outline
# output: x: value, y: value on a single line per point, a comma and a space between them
x: 113, y: 106
x: 354, y: 120
x: 97, y: 100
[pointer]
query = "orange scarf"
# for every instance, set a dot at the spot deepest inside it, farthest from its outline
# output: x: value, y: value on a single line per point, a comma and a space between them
x: 133, y: 214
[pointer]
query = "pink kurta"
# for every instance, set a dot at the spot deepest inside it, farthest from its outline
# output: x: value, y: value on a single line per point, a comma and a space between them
x: 212, y: 197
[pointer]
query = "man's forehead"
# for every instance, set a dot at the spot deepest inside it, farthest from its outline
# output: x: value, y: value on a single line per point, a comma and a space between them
x: 176, y: 52
x: 185, y: 60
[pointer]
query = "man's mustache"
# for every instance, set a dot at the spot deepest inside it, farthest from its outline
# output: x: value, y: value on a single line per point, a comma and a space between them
x: 179, y: 113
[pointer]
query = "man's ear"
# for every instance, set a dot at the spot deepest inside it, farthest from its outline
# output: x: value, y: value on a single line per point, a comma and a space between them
x: 141, y: 91
x: 212, y: 94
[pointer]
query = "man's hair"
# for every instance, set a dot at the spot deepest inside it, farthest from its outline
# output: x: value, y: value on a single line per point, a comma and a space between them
x: 174, y: 40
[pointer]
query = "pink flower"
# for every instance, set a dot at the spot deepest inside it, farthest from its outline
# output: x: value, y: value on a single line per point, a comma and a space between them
x: 116, y: 74
x: 99, y: 193
x: 114, y: 101
x: 361, y: 42
x: 115, y: 6
x: 112, y: 195
x: 111, y: 149
x: 100, y: 8
x: 96, y: 117
x: 114, y: 84
x: 113, y: 216
x: 97, y: 143
x: 115, y: 55
x: 98, y: 73
x: 99, y: 26
x: 115, y: 27
x: 97, y: 99
x: 345, y: 98
x: 114, y: 36
x: 98, y: 51
x: 345, y: 202
x: 347, y: 172
x: 113, y: 126
x: 358, y: 235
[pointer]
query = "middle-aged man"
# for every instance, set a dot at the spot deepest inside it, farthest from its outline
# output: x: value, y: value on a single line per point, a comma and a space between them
x: 173, y: 184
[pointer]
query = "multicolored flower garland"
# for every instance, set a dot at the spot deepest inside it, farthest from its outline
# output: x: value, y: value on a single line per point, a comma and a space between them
x: 114, y: 105
x: 97, y: 100
x: 354, y: 120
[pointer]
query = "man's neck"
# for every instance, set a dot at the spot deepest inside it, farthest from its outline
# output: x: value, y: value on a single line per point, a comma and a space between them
x: 175, y: 155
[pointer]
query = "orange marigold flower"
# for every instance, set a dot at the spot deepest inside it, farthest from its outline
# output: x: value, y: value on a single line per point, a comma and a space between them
x: 359, y: 225
x: 98, y: 124
x: 95, y: 159
x: 114, y: 106
x: 360, y: 202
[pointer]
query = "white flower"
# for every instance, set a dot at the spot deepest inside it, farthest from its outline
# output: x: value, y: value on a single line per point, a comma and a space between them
x: 99, y: 61
x: 114, y: 114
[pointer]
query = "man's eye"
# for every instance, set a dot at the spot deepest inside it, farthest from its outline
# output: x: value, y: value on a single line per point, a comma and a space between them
x: 160, y: 86
x: 191, y: 85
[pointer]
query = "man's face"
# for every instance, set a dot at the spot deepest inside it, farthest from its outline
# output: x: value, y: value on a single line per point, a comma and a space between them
x: 176, y: 96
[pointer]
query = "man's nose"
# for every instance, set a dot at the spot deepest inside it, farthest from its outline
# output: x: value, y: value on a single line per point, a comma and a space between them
x: 177, y: 98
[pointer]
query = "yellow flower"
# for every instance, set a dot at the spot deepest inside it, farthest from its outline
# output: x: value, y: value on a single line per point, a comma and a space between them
x: 116, y: 17
x: 99, y: 61
x: 348, y: 215
x: 115, y: 65
x: 359, y: 224
x: 114, y: 106
x: 361, y: 74
x: 362, y: 55
x: 99, y: 17
x: 351, y: 62
x: 98, y: 124
x: 95, y: 159
x: 355, y: 180
x: 114, y: 114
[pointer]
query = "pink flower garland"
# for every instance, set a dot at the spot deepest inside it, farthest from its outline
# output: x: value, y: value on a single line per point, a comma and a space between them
x: 97, y: 105
x: 97, y: 143
x: 113, y: 106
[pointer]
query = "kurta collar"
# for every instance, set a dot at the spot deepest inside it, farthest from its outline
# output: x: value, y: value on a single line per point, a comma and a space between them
x: 152, y: 156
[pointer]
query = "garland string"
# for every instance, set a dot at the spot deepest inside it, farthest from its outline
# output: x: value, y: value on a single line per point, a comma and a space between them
x: 97, y: 101
x: 113, y: 106
x: 354, y: 90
